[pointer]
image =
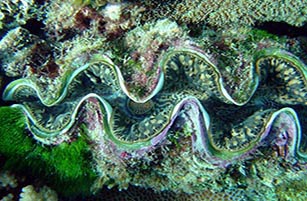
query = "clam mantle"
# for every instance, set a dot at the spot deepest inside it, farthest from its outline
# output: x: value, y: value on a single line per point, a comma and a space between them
x: 188, y: 102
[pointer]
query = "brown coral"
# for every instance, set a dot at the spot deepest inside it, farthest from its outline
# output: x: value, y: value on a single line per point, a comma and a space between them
x: 66, y: 19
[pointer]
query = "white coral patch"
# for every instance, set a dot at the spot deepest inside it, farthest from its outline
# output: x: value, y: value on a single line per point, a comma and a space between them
x: 112, y: 11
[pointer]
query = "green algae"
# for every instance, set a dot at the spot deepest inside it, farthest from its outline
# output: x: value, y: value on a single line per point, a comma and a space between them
x: 64, y: 165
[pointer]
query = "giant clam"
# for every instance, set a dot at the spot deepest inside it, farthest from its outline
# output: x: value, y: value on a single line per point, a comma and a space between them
x: 184, y: 113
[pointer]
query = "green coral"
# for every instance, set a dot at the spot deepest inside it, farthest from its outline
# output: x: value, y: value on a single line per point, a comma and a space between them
x: 64, y: 165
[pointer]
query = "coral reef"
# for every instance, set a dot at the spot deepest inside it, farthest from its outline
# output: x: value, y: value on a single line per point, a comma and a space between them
x: 229, y: 13
x: 12, y: 183
x: 110, y: 20
x: 7, y: 180
x: 111, y: 96
x: 45, y: 193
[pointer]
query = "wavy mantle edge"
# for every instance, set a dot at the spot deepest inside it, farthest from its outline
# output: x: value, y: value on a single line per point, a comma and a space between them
x: 68, y: 78
x: 200, y: 140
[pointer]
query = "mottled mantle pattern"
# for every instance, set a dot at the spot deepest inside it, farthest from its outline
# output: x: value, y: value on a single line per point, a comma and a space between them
x: 162, y: 109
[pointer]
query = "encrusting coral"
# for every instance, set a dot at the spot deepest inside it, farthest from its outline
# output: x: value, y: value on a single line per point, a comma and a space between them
x: 12, y: 184
x: 117, y: 102
x: 45, y: 193
x: 7, y: 180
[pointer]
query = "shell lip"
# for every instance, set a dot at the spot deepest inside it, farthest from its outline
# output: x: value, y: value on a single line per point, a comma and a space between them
x: 51, y: 137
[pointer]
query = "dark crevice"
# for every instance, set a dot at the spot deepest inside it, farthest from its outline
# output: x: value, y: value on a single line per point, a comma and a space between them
x: 196, y: 30
x: 41, y: 2
x: 283, y: 29
x: 35, y: 27
x: 3, y: 83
